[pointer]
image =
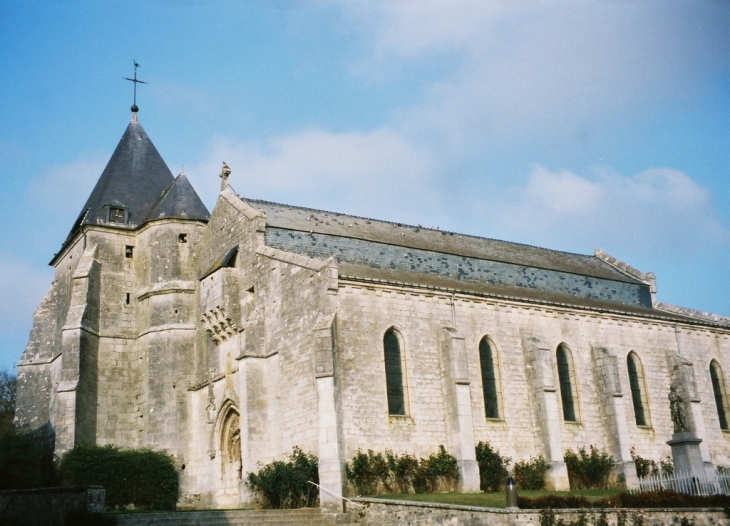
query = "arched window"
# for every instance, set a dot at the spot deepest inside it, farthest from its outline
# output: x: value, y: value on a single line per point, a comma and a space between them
x: 394, y: 367
x: 638, y: 389
x: 567, y: 383
x: 489, y: 379
x: 718, y: 387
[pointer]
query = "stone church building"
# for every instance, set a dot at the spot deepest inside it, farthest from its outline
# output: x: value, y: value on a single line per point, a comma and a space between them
x: 228, y: 337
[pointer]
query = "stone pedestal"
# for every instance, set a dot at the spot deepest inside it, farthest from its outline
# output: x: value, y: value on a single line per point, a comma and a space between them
x: 686, y: 452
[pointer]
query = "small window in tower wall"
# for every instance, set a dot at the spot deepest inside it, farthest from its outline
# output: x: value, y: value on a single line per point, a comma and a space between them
x: 182, y: 238
x: 128, y: 251
x: 117, y: 215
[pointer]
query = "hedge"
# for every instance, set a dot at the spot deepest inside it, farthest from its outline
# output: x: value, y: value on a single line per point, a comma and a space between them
x: 143, y: 478
x: 649, y: 499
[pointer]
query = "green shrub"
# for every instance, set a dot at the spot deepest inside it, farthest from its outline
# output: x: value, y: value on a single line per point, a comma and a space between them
x: 530, y: 474
x: 646, y: 467
x: 402, y: 470
x: 286, y: 484
x: 373, y: 473
x: 492, y: 467
x: 26, y: 460
x: 666, y: 467
x: 86, y: 518
x: 665, y: 499
x: 20, y: 461
x: 588, y: 470
x: 438, y: 472
x: 650, y: 499
x: 553, y: 502
x: 368, y: 472
x: 141, y: 477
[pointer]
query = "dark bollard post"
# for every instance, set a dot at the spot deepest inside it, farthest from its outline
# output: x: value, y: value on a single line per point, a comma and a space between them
x: 511, y: 494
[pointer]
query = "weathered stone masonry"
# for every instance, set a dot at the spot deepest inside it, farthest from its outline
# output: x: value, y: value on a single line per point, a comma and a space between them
x: 229, y: 338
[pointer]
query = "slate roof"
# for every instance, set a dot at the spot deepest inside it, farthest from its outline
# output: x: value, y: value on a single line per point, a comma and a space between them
x: 179, y: 200
x: 138, y: 180
x: 419, y: 280
x: 311, y: 220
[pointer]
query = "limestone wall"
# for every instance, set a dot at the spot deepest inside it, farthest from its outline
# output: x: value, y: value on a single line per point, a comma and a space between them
x: 257, y: 321
x: 39, y: 365
x: 394, y: 513
x: 367, y: 310
x: 117, y: 377
x: 232, y: 223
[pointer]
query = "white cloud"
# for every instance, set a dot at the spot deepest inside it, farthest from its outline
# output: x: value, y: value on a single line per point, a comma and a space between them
x: 658, y: 211
x: 509, y: 70
x: 368, y: 173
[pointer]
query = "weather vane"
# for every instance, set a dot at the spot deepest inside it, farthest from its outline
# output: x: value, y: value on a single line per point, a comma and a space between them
x: 134, y: 106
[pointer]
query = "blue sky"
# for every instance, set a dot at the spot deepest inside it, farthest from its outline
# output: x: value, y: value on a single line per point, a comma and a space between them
x: 566, y: 124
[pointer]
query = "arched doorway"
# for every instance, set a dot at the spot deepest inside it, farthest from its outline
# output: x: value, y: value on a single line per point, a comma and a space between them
x: 230, y: 447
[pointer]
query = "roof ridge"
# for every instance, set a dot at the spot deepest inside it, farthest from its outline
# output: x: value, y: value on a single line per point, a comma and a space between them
x: 184, y: 194
x: 162, y: 197
x: 446, y: 232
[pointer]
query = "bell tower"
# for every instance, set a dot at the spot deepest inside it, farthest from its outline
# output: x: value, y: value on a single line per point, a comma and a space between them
x: 112, y: 340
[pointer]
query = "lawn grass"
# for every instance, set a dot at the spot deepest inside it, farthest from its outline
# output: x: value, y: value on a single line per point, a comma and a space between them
x: 495, y: 500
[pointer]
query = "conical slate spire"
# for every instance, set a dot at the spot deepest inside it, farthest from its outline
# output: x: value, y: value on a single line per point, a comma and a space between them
x: 135, y: 181
x: 179, y: 200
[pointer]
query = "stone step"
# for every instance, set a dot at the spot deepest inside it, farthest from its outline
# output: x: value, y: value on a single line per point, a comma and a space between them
x: 298, y: 517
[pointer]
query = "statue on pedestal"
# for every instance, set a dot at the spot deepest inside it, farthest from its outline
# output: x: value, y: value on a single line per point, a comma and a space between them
x: 676, y: 406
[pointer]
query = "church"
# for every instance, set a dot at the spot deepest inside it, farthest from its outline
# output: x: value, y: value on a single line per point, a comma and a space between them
x: 227, y: 338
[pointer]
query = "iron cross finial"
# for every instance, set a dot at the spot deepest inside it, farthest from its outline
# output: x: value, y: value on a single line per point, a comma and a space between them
x: 134, y: 106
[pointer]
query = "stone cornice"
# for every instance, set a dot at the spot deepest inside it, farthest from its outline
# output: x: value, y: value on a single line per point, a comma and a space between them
x: 700, y: 315
x: 168, y: 327
x: 168, y: 287
x: 557, y: 306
